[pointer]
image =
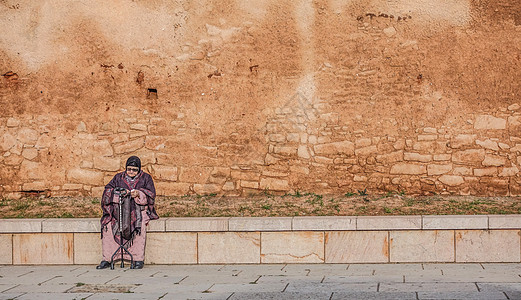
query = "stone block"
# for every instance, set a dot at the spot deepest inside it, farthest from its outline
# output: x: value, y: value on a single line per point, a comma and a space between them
x: 357, y: 247
x: 107, y: 163
x: 207, y: 188
x: 324, y: 223
x: 13, y: 122
x: 171, y: 248
x: 488, y: 246
x: 422, y: 246
x: 285, y: 150
x: 166, y: 173
x: 130, y: 146
x: 87, y: 248
x: 157, y: 225
x: 438, y: 169
x: 292, y: 247
x: 451, y: 180
x: 155, y: 142
x: 455, y: 222
x: 489, y: 122
x: 363, y: 142
x: 462, y: 140
x: 249, y: 184
x: 228, y: 247
x: 85, y: 176
x: 430, y: 146
x: 245, y: 175
x: 493, y: 160
x: 472, y: 156
x: 6, y: 249
x: 197, y: 224
x: 35, y: 186
x: 427, y: 137
x: 260, y: 224
x: 32, y: 170
x: 303, y: 152
x: 7, y: 141
x: 28, y: 136
x: 20, y: 225
x: 274, y: 184
x: 389, y: 223
x: 30, y: 153
x: 344, y: 147
x: 366, y: 151
x: 442, y: 157
x: 488, y: 144
x: 172, y: 188
x: 13, y: 160
x: 99, y: 148
x: 43, y: 248
x: 463, y: 171
x: 408, y: 169
x: 97, y: 191
x: 485, y: 172
x: 504, y: 222
x: 417, y: 157
x: 323, y: 160
x: 390, y: 157
x: 71, y: 225
x: 507, y: 172
x: 195, y: 174
x: 221, y: 172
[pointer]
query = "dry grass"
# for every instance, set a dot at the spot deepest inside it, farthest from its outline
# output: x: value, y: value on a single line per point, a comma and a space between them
x: 266, y: 204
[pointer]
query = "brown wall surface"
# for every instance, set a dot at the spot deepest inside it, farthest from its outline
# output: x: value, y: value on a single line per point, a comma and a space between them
x: 235, y: 96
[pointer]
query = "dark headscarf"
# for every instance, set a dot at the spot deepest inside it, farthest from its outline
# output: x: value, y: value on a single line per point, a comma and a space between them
x: 133, y: 161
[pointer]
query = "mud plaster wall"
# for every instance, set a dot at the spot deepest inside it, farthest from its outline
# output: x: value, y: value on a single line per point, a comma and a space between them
x: 234, y: 97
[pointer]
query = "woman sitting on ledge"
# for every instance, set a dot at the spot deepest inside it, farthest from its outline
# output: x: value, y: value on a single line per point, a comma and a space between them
x: 140, y: 192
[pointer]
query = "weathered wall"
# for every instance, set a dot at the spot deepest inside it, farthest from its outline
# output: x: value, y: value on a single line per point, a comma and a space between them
x: 327, y: 96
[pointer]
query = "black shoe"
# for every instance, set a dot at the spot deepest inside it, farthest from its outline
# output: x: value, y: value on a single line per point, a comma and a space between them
x: 138, y: 264
x: 103, y: 265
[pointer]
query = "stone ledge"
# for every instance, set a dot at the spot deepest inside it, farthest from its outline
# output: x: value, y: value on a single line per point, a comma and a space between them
x: 197, y: 224
x: 455, y: 222
x: 21, y: 225
x: 260, y: 224
x: 311, y: 223
x: 389, y: 223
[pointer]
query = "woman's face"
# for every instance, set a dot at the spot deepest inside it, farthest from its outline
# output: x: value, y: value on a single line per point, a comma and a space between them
x: 132, y: 171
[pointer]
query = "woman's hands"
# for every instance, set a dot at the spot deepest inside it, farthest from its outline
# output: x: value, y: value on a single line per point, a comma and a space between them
x: 134, y: 193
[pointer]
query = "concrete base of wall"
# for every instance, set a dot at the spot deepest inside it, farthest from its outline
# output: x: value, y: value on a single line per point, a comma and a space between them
x: 402, y: 239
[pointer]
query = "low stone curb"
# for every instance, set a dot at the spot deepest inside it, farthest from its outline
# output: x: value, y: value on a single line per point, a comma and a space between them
x: 345, y: 239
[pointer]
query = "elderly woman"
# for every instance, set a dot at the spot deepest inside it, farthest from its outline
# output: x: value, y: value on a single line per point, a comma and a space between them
x: 137, y: 190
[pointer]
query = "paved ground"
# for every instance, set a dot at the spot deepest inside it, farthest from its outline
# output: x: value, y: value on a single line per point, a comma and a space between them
x: 319, y: 281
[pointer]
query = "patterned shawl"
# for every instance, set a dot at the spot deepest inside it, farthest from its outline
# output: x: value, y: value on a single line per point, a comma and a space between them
x: 142, y: 182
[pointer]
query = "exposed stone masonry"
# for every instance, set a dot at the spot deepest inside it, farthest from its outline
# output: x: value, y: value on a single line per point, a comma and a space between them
x: 484, y: 160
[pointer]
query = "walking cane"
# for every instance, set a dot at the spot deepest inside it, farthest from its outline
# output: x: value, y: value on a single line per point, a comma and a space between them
x: 122, y: 192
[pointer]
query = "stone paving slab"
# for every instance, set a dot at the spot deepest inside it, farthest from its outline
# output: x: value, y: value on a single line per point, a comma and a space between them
x: 199, y: 296
x: 290, y: 279
x: 35, y: 288
x: 126, y: 296
x: 333, y: 287
x: 277, y: 281
x: 173, y: 288
x: 462, y: 295
x: 247, y: 287
x: 373, y: 295
x: 359, y: 279
x: 429, y: 287
x: 209, y: 279
x: 53, y: 296
x: 9, y: 296
x: 285, y: 295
